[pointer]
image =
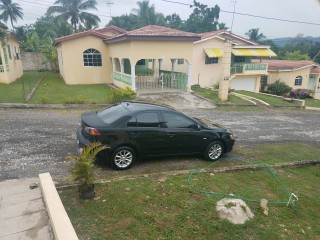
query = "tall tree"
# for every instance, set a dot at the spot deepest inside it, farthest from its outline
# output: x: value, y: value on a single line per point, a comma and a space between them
x: 147, y: 15
x: 222, y: 26
x: 174, y: 21
x: 203, y: 18
x: 254, y: 35
x: 11, y: 11
x: 75, y: 11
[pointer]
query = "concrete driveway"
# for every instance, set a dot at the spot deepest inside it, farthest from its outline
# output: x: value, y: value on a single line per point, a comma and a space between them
x: 37, y: 141
x: 178, y: 100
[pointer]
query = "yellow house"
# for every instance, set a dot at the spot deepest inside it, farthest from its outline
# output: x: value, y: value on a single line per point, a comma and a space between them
x: 160, y: 58
x: 10, y: 63
x: 135, y: 58
x: 297, y: 74
x: 224, y: 56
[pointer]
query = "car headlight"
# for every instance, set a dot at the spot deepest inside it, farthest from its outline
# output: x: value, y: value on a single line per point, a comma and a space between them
x: 232, y: 136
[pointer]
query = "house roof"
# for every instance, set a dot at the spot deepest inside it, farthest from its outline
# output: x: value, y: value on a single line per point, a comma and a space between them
x: 224, y: 34
x: 315, y: 70
x: 107, y: 32
x: 153, y: 32
x: 285, y: 65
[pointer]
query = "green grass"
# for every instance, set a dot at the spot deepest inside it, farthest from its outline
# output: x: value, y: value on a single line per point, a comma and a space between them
x: 54, y: 90
x: 274, y: 101
x: 12, y: 93
x: 213, y: 96
x: 151, y: 209
x: 312, y: 102
x: 161, y: 206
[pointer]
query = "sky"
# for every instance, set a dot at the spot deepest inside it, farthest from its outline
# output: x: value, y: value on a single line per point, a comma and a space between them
x: 293, y: 10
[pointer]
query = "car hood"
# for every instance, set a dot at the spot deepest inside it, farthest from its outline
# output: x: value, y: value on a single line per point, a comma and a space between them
x: 92, y: 120
x: 209, y: 123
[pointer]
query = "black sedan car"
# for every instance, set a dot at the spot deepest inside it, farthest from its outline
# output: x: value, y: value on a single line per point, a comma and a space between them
x: 136, y: 130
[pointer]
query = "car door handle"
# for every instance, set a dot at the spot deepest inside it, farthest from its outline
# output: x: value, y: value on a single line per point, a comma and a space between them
x: 134, y: 133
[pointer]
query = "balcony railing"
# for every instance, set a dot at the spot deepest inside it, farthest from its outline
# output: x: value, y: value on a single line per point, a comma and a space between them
x: 122, y: 77
x: 249, y: 68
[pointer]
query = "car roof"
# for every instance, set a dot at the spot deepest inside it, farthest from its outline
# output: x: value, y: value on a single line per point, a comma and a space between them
x: 134, y: 106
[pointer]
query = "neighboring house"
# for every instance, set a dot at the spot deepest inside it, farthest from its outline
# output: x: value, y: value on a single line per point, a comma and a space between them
x: 154, y: 55
x: 298, y: 74
x: 221, y: 55
x: 10, y: 63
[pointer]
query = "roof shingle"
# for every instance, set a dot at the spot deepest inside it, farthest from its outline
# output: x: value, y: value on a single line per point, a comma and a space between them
x: 281, y: 65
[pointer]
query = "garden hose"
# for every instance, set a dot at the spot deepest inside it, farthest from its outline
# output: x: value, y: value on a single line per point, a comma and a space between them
x: 291, y: 196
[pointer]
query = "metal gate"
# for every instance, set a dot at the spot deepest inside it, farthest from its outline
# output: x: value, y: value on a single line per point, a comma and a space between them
x: 165, y: 82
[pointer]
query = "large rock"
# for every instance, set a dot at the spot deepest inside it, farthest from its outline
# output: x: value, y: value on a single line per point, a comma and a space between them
x: 234, y: 210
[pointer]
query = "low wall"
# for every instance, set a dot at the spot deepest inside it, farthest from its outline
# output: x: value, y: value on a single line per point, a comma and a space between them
x: 32, y: 61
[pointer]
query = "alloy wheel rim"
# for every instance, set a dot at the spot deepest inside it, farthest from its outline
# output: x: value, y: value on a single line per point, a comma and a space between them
x: 215, y: 151
x: 123, y: 158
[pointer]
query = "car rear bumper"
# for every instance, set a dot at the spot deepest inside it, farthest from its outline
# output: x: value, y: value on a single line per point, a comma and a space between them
x: 82, y: 141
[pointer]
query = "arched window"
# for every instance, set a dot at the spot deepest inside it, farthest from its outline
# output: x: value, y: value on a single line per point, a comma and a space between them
x: 92, y: 57
x: 298, y: 81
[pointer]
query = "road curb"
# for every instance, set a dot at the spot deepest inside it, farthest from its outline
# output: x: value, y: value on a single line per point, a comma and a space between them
x: 51, y: 106
x: 60, y: 222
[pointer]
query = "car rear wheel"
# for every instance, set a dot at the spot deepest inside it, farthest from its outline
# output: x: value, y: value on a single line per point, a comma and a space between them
x: 123, y: 158
x: 214, y: 151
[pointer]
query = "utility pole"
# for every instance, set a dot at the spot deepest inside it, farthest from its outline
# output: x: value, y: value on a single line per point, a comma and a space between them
x: 109, y: 3
x: 234, y: 10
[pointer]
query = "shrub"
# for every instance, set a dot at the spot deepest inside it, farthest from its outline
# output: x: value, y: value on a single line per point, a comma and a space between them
x: 278, y: 88
x: 300, y: 93
x: 118, y: 95
x: 76, y: 100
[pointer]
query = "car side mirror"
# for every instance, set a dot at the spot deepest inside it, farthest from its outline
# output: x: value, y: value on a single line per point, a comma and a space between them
x: 197, y: 127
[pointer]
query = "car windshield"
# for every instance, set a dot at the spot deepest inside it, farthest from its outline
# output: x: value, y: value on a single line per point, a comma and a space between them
x: 111, y: 114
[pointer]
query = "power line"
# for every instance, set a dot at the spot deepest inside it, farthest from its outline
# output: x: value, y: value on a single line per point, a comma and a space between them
x: 251, y: 15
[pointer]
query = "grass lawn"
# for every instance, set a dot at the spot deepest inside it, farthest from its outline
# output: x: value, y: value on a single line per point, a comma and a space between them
x: 213, y: 96
x: 163, y: 206
x: 312, y: 102
x: 274, y: 101
x: 12, y: 93
x: 54, y: 90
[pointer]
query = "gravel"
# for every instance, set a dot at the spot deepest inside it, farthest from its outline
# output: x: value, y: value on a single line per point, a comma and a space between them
x: 35, y: 141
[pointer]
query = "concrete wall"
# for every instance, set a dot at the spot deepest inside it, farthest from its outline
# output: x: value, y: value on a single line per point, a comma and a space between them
x: 289, y: 77
x: 208, y: 74
x: 34, y: 61
x: 15, y: 66
x: 71, y: 66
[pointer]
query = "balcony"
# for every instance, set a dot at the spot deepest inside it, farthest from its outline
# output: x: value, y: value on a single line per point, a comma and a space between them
x: 249, y: 69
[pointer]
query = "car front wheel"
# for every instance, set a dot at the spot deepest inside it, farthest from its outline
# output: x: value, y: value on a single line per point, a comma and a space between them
x: 123, y: 158
x: 214, y: 151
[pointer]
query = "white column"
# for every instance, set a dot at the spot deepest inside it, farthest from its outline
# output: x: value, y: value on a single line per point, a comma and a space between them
x: 173, y: 61
x: 133, y: 77
x: 122, y: 66
x: 189, y: 76
x: 160, y: 65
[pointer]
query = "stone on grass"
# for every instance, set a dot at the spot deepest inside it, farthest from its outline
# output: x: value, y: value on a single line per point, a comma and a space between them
x: 234, y: 210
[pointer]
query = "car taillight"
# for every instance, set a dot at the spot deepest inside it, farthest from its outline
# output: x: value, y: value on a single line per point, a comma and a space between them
x: 92, y: 131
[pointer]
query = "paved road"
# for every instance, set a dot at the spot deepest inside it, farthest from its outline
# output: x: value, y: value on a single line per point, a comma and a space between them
x: 37, y: 141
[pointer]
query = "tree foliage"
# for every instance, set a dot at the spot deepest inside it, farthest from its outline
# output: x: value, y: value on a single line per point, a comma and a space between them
x: 254, y: 35
x: 11, y: 11
x: 203, y: 18
x: 75, y: 12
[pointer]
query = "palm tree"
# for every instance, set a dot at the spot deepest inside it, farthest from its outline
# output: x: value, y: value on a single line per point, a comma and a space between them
x: 3, y: 32
x: 75, y: 11
x: 146, y: 14
x: 254, y: 35
x: 10, y: 10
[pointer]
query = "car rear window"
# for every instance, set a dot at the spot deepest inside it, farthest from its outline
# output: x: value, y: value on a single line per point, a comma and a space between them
x: 113, y: 113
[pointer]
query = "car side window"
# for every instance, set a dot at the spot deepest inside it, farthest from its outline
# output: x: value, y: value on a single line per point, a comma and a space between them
x: 176, y: 121
x: 132, y: 122
x: 148, y: 119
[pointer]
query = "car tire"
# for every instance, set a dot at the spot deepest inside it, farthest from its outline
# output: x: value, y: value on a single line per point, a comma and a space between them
x: 123, y: 158
x: 214, y: 151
